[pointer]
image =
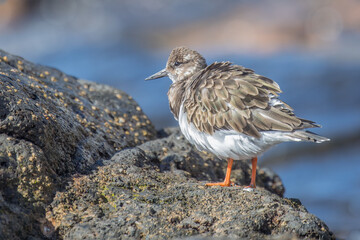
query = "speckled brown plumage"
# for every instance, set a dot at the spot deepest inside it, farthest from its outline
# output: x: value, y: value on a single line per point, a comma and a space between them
x: 227, y: 96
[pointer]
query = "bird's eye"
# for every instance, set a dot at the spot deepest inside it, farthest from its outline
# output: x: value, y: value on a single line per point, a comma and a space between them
x: 177, y: 64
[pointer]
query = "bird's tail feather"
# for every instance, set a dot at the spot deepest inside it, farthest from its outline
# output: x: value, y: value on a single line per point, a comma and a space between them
x: 309, y: 136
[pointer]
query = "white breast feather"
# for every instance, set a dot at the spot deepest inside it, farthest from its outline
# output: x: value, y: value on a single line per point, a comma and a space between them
x: 229, y: 143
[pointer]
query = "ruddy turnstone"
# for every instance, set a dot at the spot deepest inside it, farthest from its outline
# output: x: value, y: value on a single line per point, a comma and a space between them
x: 230, y: 110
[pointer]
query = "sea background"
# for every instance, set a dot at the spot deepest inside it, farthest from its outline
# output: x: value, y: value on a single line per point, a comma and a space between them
x: 310, y: 48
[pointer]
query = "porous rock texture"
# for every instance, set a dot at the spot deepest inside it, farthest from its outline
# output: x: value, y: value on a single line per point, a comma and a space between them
x: 52, y: 126
x: 79, y: 160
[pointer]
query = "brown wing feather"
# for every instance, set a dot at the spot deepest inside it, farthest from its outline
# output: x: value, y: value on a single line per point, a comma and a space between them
x: 226, y: 96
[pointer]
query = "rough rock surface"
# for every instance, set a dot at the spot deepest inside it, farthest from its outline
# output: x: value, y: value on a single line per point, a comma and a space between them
x: 142, y: 193
x: 51, y: 126
x: 61, y: 177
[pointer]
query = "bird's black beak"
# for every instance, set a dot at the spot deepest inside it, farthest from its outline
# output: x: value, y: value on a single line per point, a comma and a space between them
x: 159, y: 74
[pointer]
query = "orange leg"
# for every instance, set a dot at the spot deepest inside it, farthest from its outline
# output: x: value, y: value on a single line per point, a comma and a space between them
x: 253, y: 173
x: 227, y: 181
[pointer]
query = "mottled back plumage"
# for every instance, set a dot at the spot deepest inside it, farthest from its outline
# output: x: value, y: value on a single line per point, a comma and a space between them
x: 227, y: 96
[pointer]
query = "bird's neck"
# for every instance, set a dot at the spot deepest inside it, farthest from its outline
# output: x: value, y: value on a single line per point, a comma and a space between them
x: 176, y: 95
x: 183, y: 90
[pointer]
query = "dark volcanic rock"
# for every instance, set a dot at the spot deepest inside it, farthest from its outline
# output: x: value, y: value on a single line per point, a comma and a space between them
x: 51, y: 126
x: 56, y: 134
x: 142, y: 193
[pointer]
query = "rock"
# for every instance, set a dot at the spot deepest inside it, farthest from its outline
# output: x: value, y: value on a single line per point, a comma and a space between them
x: 154, y: 191
x: 52, y: 126
x: 80, y: 160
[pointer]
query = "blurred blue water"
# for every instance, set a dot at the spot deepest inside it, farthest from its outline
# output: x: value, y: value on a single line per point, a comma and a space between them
x: 328, y: 186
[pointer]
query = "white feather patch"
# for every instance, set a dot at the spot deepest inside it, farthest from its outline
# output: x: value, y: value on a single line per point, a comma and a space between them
x: 229, y: 143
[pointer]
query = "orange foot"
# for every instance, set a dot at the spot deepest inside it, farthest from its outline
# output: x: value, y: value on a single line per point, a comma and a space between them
x: 222, y: 184
x: 226, y: 182
x: 250, y: 186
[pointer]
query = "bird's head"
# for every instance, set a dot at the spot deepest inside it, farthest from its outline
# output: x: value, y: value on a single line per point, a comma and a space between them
x: 182, y: 64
